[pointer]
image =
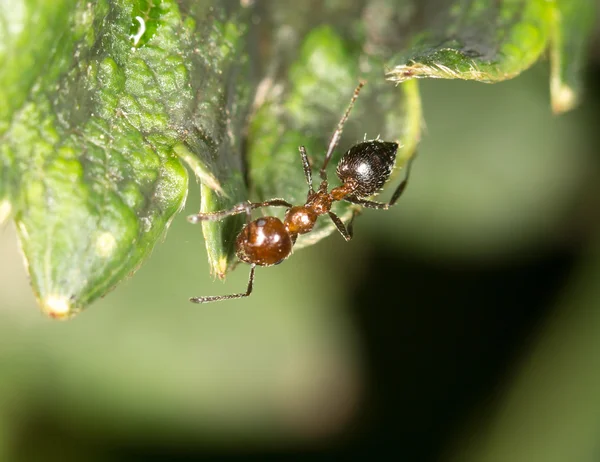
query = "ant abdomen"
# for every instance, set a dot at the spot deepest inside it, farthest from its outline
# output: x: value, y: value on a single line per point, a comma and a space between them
x: 368, y: 165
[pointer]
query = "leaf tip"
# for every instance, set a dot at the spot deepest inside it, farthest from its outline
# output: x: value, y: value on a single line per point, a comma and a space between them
x: 220, y: 267
x: 563, y: 97
x: 58, y: 306
x: 400, y: 73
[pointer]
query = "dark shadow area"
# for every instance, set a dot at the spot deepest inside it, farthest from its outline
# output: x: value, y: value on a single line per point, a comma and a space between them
x: 439, y: 340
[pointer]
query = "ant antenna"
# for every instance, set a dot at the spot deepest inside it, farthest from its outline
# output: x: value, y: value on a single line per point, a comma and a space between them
x: 337, y: 134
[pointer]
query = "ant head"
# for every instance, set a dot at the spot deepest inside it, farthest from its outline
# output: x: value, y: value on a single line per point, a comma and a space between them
x: 368, y: 165
x: 264, y: 242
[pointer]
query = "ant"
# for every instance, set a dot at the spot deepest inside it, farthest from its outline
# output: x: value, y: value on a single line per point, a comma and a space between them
x: 267, y: 241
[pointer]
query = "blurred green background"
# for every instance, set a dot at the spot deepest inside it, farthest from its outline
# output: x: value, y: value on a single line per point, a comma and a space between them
x: 462, y: 325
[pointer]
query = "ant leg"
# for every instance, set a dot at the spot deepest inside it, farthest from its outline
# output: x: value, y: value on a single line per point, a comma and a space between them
x: 379, y: 205
x: 307, y: 171
x: 348, y: 230
x: 368, y: 204
x: 384, y: 205
x: 271, y: 203
x: 339, y: 224
x: 350, y: 225
x: 337, y: 134
x: 244, y: 207
x: 218, y: 298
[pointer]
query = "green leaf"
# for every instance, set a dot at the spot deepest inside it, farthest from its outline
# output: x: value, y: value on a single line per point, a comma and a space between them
x: 29, y: 33
x: 28, y: 37
x: 102, y: 103
x: 491, y: 41
x: 90, y: 157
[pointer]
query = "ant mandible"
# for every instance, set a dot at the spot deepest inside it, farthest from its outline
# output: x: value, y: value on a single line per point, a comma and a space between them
x: 267, y: 241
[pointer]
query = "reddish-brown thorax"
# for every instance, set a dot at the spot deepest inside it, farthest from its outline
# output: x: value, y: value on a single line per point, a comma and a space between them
x: 301, y: 219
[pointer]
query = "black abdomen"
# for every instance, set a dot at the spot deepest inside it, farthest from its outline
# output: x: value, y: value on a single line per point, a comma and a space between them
x: 369, y: 164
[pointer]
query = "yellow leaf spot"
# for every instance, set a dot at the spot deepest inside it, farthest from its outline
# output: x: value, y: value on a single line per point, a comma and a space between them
x: 105, y: 245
